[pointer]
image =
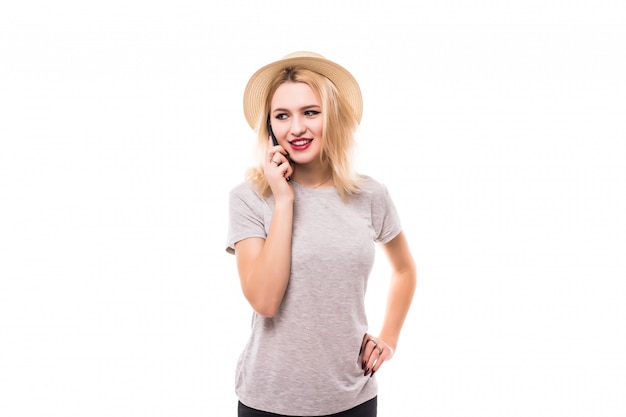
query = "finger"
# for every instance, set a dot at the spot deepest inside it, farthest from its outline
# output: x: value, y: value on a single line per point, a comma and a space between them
x: 363, y: 342
x: 277, y: 156
x: 271, y: 150
x: 289, y: 171
x: 368, y: 349
x: 360, y: 359
x: 276, y: 169
x: 286, y: 170
x: 381, y: 355
x: 372, y: 355
x: 367, y: 338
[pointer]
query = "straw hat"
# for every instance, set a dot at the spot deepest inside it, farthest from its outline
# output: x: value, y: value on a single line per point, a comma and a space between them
x: 256, y: 91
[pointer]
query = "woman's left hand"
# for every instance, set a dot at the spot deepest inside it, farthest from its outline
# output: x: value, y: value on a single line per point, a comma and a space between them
x: 374, y: 352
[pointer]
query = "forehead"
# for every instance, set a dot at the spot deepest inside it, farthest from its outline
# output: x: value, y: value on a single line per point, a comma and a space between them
x: 296, y: 95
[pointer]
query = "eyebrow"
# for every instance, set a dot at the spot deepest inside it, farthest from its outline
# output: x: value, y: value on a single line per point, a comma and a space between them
x: 310, y: 106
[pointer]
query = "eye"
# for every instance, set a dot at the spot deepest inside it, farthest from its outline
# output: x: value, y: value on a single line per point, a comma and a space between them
x: 311, y: 113
x: 281, y: 116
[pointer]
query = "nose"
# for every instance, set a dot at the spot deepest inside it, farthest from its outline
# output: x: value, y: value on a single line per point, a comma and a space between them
x: 298, y: 126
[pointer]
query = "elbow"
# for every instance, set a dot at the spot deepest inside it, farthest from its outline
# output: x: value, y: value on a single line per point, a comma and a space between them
x: 413, y: 279
x: 267, y: 311
x: 265, y: 307
x: 264, y: 298
x: 408, y: 278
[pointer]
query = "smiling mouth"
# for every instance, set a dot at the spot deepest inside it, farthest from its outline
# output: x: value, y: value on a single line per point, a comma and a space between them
x: 301, y: 142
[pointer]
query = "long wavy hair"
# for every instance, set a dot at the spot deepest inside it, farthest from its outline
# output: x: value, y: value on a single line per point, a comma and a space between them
x: 338, y: 140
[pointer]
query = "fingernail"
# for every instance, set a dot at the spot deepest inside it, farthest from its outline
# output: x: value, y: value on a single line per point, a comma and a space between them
x: 363, y: 365
x: 366, y: 372
x: 372, y: 374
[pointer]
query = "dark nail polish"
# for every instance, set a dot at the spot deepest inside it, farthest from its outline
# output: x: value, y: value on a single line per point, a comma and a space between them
x: 363, y: 365
x: 372, y: 374
x: 367, y: 371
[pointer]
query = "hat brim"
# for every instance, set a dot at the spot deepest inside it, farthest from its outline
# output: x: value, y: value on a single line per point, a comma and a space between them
x: 256, y: 90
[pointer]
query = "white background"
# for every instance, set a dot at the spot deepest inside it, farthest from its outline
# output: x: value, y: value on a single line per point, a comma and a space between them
x: 499, y: 128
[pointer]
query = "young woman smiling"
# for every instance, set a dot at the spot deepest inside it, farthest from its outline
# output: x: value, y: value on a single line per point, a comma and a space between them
x: 303, y: 227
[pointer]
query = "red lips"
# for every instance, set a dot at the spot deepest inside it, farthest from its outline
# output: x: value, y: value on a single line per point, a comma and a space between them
x: 300, y: 144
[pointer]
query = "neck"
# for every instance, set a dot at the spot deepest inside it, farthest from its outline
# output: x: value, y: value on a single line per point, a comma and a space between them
x: 313, y: 179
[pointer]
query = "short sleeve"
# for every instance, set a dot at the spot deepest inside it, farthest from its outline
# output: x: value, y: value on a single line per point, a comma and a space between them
x: 245, y: 216
x: 385, y: 218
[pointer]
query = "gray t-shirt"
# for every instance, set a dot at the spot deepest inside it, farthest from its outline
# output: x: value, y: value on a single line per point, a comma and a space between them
x: 304, y: 360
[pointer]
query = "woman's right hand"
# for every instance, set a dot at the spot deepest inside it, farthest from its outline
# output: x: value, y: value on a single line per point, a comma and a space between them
x: 278, y: 171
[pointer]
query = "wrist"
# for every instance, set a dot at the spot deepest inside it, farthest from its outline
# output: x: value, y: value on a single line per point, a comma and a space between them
x: 389, y: 341
x: 285, y: 202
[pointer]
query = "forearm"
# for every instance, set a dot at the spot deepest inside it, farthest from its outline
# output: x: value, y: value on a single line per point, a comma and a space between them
x: 401, y: 290
x: 268, y: 277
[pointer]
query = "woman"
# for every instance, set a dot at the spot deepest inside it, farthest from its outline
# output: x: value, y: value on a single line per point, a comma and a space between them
x: 303, y: 228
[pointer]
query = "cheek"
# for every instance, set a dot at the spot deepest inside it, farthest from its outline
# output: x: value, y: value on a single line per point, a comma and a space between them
x: 319, y: 128
x: 281, y: 131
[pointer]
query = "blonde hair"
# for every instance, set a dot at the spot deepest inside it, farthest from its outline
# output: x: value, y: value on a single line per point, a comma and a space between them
x: 339, y: 126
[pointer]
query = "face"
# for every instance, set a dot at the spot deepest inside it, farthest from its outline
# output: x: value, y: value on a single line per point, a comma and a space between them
x: 296, y: 117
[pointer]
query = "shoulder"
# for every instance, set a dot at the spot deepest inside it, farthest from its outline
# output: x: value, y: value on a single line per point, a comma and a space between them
x: 245, y: 193
x: 370, y: 186
x: 370, y: 192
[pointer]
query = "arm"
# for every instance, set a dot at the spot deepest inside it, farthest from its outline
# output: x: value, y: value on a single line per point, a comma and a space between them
x: 264, y: 264
x: 402, y: 287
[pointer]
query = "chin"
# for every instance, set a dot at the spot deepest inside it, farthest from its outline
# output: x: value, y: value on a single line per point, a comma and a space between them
x: 302, y: 161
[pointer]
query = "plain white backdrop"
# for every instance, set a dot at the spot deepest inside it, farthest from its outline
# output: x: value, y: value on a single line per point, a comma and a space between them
x: 498, y: 126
